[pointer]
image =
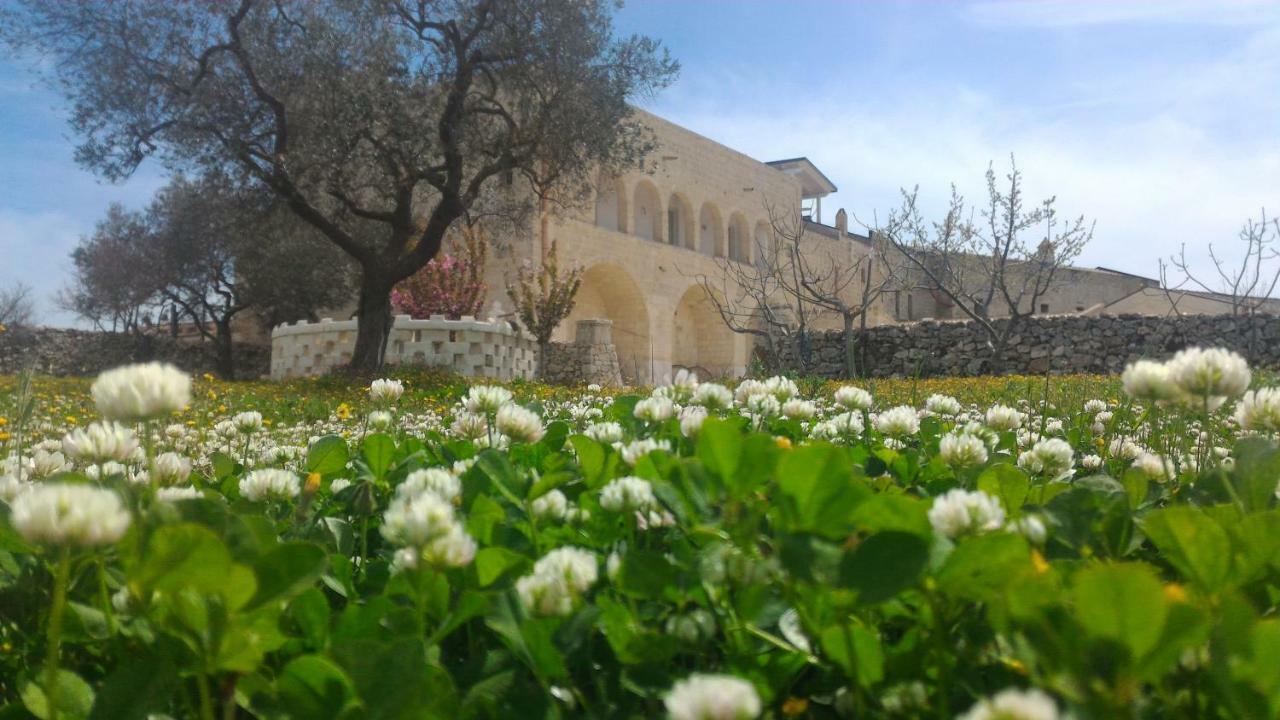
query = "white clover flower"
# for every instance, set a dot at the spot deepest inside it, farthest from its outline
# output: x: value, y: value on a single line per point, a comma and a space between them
x: 57, y: 514
x: 133, y: 393
x: 748, y: 389
x: 45, y: 463
x: 519, y: 424
x: 604, y: 432
x: 385, y: 391
x: 551, y: 506
x: 762, y: 405
x: 1030, y: 527
x: 1095, y: 406
x: 1091, y: 462
x: 381, y: 420
x: 989, y: 437
x: 11, y: 487
x: 1014, y: 704
x: 453, y: 549
x: 486, y: 399
x: 444, y: 484
x: 943, y: 405
x: 632, y: 452
x: 654, y: 409
x: 557, y: 582
x: 1002, y: 418
x: 415, y: 520
x: 170, y: 469
x: 612, y: 566
x: 1125, y: 449
x: 1259, y: 410
x: 248, y: 422
x: 1155, y: 467
x: 713, y: 697
x: 898, y: 422
x: 797, y: 409
x: 1209, y: 373
x: 1148, y: 380
x: 691, y: 419
x: 1051, y: 458
x: 1053, y: 426
x: 338, y: 485
x: 270, y: 484
x: 959, y: 512
x: 682, y: 386
x: 174, y: 494
x: 712, y: 396
x: 692, y: 627
x: 105, y: 470
x: 853, y: 398
x: 100, y: 442
x: 627, y: 494
x: 469, y: 425
x: 781, y: 387
x: 962, y: 450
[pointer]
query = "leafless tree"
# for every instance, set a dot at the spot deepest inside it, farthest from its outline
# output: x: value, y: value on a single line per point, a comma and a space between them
x: 995, y: 268
x: 1246, y: 283
x: 846, y: 281
x: 17, y: 306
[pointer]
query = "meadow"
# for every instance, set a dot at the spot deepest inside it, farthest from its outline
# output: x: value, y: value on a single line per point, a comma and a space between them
x: 419, y: 546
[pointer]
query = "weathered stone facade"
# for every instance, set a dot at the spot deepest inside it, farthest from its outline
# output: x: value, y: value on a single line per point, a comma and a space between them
x: 57, y: 351
x: 1052, y: 344
x: 590, y: 358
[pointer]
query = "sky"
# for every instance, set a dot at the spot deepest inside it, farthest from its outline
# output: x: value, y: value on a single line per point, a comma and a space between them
x: 1159, y: 120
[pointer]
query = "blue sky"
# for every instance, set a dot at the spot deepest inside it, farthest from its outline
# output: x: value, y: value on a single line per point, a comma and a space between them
x: 1158, y: 119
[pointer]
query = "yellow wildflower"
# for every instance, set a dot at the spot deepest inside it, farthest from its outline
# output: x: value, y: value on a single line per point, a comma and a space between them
x: 782, y: 442
x: 1175, y: 593
x: 795, y: 706
x: 1037, y: 560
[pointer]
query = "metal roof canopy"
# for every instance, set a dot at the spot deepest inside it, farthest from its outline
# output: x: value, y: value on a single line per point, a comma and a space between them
x: 813, y: 184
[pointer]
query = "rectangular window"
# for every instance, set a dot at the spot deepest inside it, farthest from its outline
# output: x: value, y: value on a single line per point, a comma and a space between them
x: 673, y: 226
x: 1044, y: 308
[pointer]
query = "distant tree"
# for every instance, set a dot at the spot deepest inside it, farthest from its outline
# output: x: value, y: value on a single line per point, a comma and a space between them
x: 17, y: 306
x: 451, y: 285
x: 999, y: 265
x: 110, y: 287
x: 217, y: 251
x: 379, y: 122
x: 544, y: 295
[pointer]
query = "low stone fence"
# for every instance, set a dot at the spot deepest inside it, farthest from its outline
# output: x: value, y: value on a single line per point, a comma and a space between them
x: 475, y: 348
x: 59, y: 351
x: 1049, y: 344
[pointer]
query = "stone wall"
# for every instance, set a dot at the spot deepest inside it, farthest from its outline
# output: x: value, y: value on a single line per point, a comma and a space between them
x: 475, y: 348
x: 590, y: 358
x: 1054, y: 344
x: 58, y: 351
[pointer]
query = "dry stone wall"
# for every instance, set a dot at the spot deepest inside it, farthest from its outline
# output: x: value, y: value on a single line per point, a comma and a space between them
x: 1052, y: 344
x: 475, y: 348
x: 590, y: 358
x: 58, y: 351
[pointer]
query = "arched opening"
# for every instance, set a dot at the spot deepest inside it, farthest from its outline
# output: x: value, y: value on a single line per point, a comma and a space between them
x: 648, y: 212
x: 700, y: 339
x: 608, y: 291
x: 709, y: 232
x: 762, y: 247
x: 679, y: 221
x: 737, y: 238
x: 611, y: 204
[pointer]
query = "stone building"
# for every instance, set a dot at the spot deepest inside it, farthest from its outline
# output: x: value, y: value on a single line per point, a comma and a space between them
x: 648, y: 237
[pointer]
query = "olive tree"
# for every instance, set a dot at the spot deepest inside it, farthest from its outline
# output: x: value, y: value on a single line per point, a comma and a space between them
x: 378, y: 122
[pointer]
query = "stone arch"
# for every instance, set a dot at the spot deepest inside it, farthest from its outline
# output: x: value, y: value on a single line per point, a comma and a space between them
x: 609, y: 291
x: 737, y: 239
x: 611, y: 204
x: 699, y: 338
x: 710, y: 230
x: 647, y: 218
x: 762, y: 243
x: 679, y: 221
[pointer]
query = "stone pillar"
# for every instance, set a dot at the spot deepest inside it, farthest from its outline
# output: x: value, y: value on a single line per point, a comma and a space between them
x: 593, y: 339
